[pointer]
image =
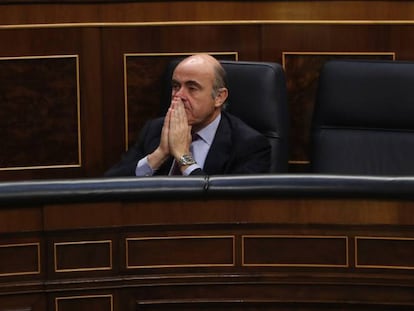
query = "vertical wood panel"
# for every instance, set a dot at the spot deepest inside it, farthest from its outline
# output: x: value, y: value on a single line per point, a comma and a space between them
x: 40, y: 112
x: 92, y: 122
x: 50, y: 133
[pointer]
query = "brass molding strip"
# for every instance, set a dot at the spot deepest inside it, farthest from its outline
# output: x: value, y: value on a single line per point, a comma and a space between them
x: 40, y: 56
x: 345, y: 238
x: 21, y: 168
x: 209, y: 22
x: 37, y: 244
x: 299, y: 162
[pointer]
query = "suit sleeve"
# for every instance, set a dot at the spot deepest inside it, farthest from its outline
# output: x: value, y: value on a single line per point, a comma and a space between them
x: 252, y: 156
x: 127, y: 165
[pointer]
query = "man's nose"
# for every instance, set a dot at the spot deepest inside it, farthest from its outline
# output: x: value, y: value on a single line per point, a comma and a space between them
x: 179, y: 92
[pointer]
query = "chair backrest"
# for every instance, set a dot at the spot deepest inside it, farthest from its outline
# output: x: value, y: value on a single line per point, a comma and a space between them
x: 258, y: 96
x: 363, y: 121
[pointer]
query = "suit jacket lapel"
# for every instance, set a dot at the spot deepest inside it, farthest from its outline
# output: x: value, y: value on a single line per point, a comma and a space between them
x: 220, y: 150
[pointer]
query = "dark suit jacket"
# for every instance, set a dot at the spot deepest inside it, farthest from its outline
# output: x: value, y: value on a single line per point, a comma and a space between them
x: 236, y: 149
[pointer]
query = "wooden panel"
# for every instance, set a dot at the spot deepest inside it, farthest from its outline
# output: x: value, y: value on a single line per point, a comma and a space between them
x: 187, y: 254
x: 19, y: 259
x: 264, y: 305
x: 278, y: 211
x: 40, y: 97
x: 20, y: 220
x: 83, y: 256
x: 77, y: 216
x: 384, y: 252
x: 180, y: 251
x: 27, y: 302
x: 284, y: 295
x: 44, y: 67
x: 295, y: 251
x: 85, y: 303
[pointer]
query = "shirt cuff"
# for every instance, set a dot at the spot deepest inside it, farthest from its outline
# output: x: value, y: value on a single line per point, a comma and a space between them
x: 143, y: 168
x: 191, y: 168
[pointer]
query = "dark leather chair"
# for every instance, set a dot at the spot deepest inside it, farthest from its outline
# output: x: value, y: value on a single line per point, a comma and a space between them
x: 364, y: 119
x: 257, y: 95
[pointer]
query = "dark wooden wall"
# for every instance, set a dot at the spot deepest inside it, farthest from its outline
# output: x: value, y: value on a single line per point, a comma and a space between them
x: 77, y: 81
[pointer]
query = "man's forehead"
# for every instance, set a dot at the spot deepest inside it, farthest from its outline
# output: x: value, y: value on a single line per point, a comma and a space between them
x: 187, y: 72
x: 196, y: 60
x: 199, y: 63
x: 200, y: 59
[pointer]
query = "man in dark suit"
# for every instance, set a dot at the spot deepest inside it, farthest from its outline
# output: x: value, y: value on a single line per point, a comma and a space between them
x: 196, y: 136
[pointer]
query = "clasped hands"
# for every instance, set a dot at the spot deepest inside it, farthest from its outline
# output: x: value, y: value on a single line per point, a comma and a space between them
x: 175, y: 135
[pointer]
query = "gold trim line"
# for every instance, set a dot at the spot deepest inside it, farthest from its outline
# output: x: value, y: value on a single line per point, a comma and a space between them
x: 208, y: 22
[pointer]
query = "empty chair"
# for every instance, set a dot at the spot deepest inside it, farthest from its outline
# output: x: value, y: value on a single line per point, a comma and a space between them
x: 257, y: 95
x: 363, y: 121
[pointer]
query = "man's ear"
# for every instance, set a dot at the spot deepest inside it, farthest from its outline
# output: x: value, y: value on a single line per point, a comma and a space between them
x: 221, y: 97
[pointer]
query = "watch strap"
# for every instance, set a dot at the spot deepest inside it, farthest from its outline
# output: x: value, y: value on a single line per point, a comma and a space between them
x: 186, y: 159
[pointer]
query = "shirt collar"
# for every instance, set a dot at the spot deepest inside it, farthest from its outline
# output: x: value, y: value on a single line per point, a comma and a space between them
x: 207, y: 133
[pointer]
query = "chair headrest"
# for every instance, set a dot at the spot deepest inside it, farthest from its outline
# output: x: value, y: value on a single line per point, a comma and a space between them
x: 366, y: 94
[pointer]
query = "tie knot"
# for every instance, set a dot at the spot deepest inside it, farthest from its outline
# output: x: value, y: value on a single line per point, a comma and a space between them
x: 194, y: 136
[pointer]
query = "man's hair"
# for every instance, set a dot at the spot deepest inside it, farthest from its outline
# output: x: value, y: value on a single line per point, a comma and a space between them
x: 220, y: 79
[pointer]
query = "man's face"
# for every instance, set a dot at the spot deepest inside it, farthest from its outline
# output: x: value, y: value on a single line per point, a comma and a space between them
x: 192, y: 83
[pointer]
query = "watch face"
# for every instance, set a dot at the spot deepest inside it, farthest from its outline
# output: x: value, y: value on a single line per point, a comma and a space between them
x: 186, y: 159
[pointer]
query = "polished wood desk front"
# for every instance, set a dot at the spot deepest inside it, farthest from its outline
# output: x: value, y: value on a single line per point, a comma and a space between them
x: 271, y: 243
